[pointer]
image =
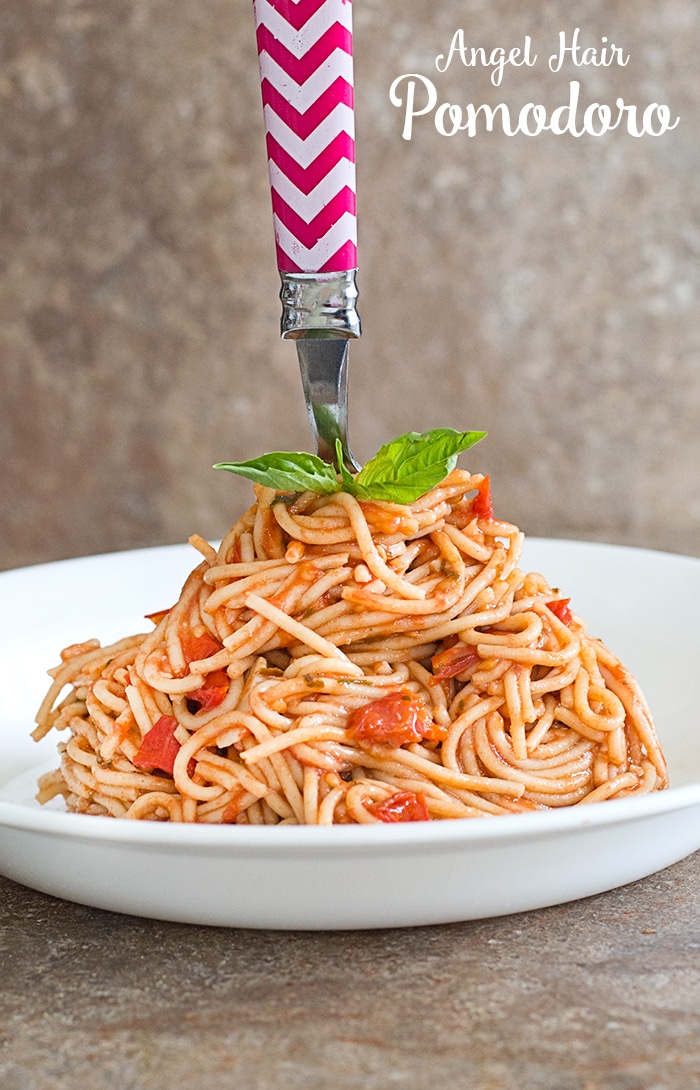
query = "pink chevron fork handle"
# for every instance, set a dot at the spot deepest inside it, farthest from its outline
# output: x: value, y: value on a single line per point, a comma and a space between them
x: 306, y: 74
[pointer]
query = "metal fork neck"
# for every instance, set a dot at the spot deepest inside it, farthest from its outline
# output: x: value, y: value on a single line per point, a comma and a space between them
x: 319, y: 305
x: 324, y: 376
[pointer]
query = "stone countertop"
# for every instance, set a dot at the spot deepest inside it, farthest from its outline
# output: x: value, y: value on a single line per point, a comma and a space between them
x: 601, y: 994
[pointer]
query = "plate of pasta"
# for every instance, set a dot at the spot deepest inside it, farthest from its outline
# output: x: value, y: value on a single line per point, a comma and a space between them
x: 350, y: 713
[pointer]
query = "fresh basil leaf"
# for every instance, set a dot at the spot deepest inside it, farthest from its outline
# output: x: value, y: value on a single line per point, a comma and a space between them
x: 287, y: 471
x: 411, y: 465
x: 347, y: 480
x: 400, y: 472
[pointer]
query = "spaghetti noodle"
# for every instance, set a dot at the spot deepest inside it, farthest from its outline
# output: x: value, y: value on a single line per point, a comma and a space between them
x: 338, y: 660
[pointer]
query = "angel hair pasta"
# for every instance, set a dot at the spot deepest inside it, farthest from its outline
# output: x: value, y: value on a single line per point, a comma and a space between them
x: 341, y: 660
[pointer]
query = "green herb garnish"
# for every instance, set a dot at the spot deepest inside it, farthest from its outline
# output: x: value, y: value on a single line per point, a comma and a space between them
x: 400, y: 472
x: 287, y: 471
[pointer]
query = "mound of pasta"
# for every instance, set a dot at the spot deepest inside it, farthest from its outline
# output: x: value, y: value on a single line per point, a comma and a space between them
x: 339, y: 660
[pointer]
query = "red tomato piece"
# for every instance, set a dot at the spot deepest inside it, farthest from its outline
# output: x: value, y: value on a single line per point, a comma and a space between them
x: 199, y: 647
x: 213, y: 691
x: 157, y: 616
x: 392, y: 720
x: 481, y: 504
x: 403, y: 806
x: 560, y: 609
x: 452, y: 661
x: 159, y: 747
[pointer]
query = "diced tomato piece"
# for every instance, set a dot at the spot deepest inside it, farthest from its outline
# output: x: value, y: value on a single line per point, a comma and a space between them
x: 481, y: 504
x: 157, y: 616
x: 560, y: 609
x: 159, y: 747
x: 392, y: 720
x: 452, y: 661
x: 403, y: 806
x: 213, y: 691
x: 199, y: 647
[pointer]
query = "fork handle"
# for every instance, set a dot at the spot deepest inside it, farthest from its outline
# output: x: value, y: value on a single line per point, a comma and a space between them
x: 306, y: 74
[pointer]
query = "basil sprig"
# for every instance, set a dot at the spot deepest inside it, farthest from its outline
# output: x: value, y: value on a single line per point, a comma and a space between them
x: 287, y: 471
x: 400, y: 472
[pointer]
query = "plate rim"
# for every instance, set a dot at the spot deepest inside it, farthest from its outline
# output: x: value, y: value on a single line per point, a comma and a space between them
x: 175, y: 836
x: 279, y: 839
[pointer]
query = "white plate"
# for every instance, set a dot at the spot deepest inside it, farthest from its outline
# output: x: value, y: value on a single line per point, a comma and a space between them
x: 350, y: 876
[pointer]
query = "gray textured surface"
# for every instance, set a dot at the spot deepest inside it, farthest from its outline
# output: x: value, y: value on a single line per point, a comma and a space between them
x: 543, y: 288
x: 603, y: 994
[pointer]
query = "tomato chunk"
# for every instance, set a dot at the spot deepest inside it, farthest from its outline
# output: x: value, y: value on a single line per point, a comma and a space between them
x: 158, y: 615
x: 560, y: 609
x: 213, y: 691
x: 481, y: 504
x: 453, y: 660
x: 199, y: 647
x: 403, y: 806
x: 392, y: 720
x: 159, y: 747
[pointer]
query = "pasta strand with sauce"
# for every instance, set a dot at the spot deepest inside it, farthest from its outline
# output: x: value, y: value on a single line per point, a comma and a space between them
x: 338, y: 660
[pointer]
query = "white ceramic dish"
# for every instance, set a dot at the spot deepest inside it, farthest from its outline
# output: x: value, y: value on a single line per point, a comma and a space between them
x: 347, y: 877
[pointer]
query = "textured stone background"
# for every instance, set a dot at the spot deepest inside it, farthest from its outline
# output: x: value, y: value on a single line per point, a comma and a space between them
x: 542, y: 288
